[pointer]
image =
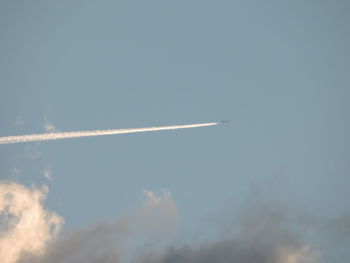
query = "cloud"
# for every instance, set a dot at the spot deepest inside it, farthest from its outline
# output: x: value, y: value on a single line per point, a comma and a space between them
x: 99, y: 243
x: 158, y: 216
x: 338, y: 229
x: 261, y: 232
x: 48, y: 173
x: 25, y: 225
x: 232, y: 251
x: 49, y: 126
x: 264, y: 236
x: 110, y: 242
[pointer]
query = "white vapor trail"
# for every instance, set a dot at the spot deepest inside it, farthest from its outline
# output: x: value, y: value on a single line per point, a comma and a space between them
x: 78, y: 134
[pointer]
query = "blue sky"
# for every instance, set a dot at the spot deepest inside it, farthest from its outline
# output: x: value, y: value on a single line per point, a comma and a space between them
x: 278, y: 70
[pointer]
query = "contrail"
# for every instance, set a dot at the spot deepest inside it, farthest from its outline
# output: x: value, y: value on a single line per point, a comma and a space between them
x: 78, y: 134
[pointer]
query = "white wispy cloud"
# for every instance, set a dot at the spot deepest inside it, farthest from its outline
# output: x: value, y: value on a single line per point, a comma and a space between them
x: 49, y: 126
x: 48, y: 173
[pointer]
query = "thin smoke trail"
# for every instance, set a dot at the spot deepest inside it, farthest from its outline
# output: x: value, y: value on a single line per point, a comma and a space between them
x: 79, y: 134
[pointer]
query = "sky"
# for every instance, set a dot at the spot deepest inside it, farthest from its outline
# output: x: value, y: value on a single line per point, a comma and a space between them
x: 274, y: 181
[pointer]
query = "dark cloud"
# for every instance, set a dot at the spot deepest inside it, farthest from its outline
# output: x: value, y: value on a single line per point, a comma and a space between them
x: 98, y: 244
x: 111, y: 242
x: 340, y: 227
x: 221, y: 251
x: 265, y: 236
x: 262, y: 231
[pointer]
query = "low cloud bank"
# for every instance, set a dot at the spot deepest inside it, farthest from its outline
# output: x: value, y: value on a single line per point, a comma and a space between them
x: 262, y: 232
x: 262, y: 235
x: 113, y: 242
